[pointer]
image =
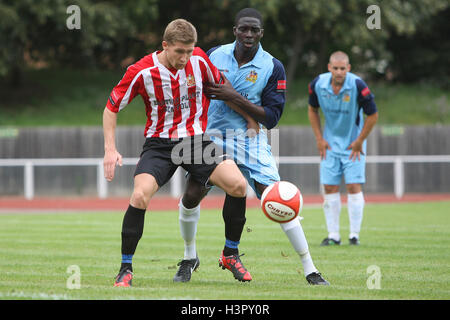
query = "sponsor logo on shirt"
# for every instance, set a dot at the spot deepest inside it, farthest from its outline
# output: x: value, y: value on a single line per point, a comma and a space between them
x: 164, y: 85
x: 281, y: 85
x: 244, y: 94
x: 365, y: 92
x: 171, y: 105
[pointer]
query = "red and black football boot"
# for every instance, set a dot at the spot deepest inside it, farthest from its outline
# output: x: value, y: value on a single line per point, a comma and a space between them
x: 123, y: 279
x: 234, y: 264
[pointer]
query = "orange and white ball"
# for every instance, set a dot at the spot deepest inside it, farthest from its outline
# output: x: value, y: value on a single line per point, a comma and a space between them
x: 282, y: 202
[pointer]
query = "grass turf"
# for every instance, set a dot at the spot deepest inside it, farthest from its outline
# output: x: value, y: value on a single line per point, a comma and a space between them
x: 408, y: 242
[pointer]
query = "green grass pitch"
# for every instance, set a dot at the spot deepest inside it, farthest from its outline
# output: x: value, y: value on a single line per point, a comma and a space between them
x: 409, y: 243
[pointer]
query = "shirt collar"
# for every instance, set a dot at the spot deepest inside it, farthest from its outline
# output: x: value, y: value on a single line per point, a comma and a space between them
x: 327, y: 83
x: 257, y: 59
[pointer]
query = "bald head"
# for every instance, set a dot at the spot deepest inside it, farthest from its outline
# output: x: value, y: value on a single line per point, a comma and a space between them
x: 338, y: 66
x: 339, y: 56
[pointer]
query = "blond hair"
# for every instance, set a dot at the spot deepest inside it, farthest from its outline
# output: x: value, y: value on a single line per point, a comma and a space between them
x: 180, y: 30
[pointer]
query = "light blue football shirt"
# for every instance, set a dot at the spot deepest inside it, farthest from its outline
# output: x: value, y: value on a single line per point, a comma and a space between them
x: 343, y: 112
x: 263, y: 82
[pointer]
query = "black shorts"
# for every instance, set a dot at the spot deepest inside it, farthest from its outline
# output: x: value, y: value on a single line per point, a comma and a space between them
x: 160, y: 157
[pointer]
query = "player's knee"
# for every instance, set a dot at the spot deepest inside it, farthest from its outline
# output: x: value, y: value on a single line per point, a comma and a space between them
x: 140, y: 198
x: 191, y: 198
x: 239, y: 188
x: 354, y: 188
x: 331, y: 188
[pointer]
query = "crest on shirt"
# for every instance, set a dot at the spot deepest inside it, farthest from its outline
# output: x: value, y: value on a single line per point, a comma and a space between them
x: 190, y: 80
x: 252, y: 76
x: 346, y: 98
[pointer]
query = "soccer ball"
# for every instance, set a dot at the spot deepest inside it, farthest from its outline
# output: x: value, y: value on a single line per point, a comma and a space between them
x: 281, y: 202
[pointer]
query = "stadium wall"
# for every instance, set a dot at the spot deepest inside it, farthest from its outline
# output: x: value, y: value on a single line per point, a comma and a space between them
x: 87, y: 142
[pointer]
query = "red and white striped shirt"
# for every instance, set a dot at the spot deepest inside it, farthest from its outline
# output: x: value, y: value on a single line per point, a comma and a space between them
x: 174, y: 101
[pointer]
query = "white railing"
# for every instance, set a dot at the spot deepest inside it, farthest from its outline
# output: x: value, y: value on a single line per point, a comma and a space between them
x: 177, y: 180
x: 397, y: 161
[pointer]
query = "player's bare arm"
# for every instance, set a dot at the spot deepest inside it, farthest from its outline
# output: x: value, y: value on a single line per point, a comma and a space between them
x: 213, y: 89
x: 112, y: 156
x: 251, y: 123
x: 314, y: 119
x: 356, y: 146
x: 227, y: 93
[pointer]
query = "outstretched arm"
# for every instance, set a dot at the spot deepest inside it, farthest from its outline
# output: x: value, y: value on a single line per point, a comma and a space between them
x: 112, y: 156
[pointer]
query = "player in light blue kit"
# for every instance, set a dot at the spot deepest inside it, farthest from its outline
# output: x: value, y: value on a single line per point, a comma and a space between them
x: 344, y: 98
x: 254, y: 88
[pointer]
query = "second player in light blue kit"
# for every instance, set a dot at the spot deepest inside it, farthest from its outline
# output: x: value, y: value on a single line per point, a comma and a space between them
x: 254, y: 88
x: 344, y: 98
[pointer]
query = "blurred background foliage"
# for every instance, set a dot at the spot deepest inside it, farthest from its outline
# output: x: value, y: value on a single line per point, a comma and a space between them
x: 412, y: 44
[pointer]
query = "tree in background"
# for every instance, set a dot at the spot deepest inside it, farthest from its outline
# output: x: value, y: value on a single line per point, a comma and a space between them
x: 423, y: 55
x: 411, y: 45
x: 34, y: 33
x: 306, y: 32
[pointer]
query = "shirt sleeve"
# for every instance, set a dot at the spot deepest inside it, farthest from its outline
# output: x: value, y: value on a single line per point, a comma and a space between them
x: 365, y: 98
x: 273, y: 96
x: 208, y: 53
x: 313, y: 100
x: 210, y: 73
x: 124, y: 92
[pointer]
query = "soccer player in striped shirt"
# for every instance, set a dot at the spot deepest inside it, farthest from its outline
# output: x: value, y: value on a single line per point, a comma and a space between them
x: 170, y: 83
x: 255, y: 82
x: 344, y: 98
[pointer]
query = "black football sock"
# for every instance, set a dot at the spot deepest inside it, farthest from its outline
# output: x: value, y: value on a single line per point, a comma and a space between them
x: 234, y: 217
x: 132, y: 229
